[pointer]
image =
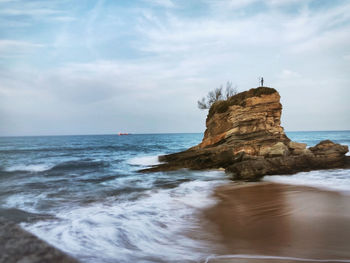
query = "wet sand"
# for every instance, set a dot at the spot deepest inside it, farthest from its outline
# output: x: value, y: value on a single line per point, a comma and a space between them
x: 280, y: 220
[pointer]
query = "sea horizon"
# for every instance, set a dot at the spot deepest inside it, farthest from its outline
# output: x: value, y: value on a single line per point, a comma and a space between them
x: 155, y: 133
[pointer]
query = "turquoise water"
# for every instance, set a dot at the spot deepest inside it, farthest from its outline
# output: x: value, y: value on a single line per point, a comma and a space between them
x: 84, y: 195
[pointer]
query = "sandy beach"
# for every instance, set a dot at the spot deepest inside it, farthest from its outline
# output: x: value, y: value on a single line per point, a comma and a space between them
x: 281, y: 221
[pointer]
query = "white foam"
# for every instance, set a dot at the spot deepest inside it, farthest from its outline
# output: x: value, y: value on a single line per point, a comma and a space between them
x: 150, y: 227
x: 190, y: 194
x: 144, y: 160
x: 336, y: 180
x: 30, y: 167
x: 25, y: 202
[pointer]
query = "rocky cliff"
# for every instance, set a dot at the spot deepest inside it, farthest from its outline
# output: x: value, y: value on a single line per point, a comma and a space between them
x: 249, y: 122
x: 245, y: 137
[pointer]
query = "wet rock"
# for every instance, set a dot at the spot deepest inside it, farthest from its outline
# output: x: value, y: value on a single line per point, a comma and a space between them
x: 297, y: 148
x: 297, y: 145
x: 17, y: 245
x: 17, y: 215
x: 278, y: 149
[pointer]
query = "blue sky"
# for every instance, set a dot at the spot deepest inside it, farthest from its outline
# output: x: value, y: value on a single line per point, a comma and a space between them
x: 96, y: 67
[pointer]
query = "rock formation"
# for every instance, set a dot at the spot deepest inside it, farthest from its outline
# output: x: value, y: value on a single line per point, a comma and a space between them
x: 245, y: 137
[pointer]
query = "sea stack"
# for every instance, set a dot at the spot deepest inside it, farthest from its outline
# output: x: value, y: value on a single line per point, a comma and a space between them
x: 245, y: 137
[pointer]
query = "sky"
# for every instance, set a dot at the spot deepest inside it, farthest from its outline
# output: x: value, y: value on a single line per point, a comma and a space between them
x: 103, y: 67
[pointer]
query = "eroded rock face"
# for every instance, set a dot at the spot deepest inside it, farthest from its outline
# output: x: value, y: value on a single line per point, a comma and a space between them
x: 249, y: 126
x: 245, y: 137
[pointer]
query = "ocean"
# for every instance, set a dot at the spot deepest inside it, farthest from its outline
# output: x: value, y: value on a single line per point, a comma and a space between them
x: 85, y: 196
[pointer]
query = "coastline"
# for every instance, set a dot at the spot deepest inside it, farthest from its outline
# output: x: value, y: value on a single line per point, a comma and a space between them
x: 279, y: 220
x: 103, y: 210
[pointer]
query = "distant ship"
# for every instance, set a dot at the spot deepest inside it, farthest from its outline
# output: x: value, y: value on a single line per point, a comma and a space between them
x: 124, y: 133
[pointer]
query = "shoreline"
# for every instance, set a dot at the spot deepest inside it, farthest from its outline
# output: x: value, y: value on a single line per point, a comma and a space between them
x: 291, y: 223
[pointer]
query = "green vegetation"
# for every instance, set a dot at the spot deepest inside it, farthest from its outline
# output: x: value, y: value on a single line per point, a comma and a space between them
x: 217, y: 95
x: 238, y: 99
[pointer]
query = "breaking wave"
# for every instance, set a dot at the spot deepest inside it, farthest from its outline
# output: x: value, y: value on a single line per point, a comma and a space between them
x: 335, y: 180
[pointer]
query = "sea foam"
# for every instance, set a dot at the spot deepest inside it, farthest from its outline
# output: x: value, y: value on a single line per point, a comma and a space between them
x: 150, y: 227
x: 30, y: 167
x: 144, y: 160
x: 335, y: 180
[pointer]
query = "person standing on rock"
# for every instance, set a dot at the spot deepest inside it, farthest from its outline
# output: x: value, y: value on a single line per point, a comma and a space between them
x: 262, y: 82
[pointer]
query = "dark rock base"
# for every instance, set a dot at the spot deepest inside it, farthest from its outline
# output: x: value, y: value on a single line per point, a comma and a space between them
x: 242, y: 166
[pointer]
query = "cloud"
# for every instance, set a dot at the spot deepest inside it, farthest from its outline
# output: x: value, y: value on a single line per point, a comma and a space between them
x: 10, y: 48
x: 146, y: 71
x: 279, y: 3
x: 6, y: 43
x: 301, y: 32
x: 241, y: 4
x: 8, y: 1
x: 64, y: 18
x: 28, y: 12
x: 236, y: 4
x: 5, y: 23
x: 112, y: 94
x: 23, y: 13
x: 161, y: 3
x: 289, y: 74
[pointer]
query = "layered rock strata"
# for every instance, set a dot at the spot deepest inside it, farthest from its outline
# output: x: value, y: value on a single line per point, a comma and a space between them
x: 245, y: 137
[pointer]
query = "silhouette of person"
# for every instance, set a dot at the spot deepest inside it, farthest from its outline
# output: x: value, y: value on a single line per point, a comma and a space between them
x: 262, y: 82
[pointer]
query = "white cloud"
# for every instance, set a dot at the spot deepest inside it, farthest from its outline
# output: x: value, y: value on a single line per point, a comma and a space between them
x: 10, y: 48
x: 28, y: 12
x: 162, y: 3
x: 5, y: 23
x: 241, y: 4
x: 64, y: 18
x: 6, y: 43
x: 126, y: 95
x: 169, y: 60
x: 300, y: 33
x: 285, y: 2
x: 289, y: 74
x: 17, y: 12
x: 328, y: 41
